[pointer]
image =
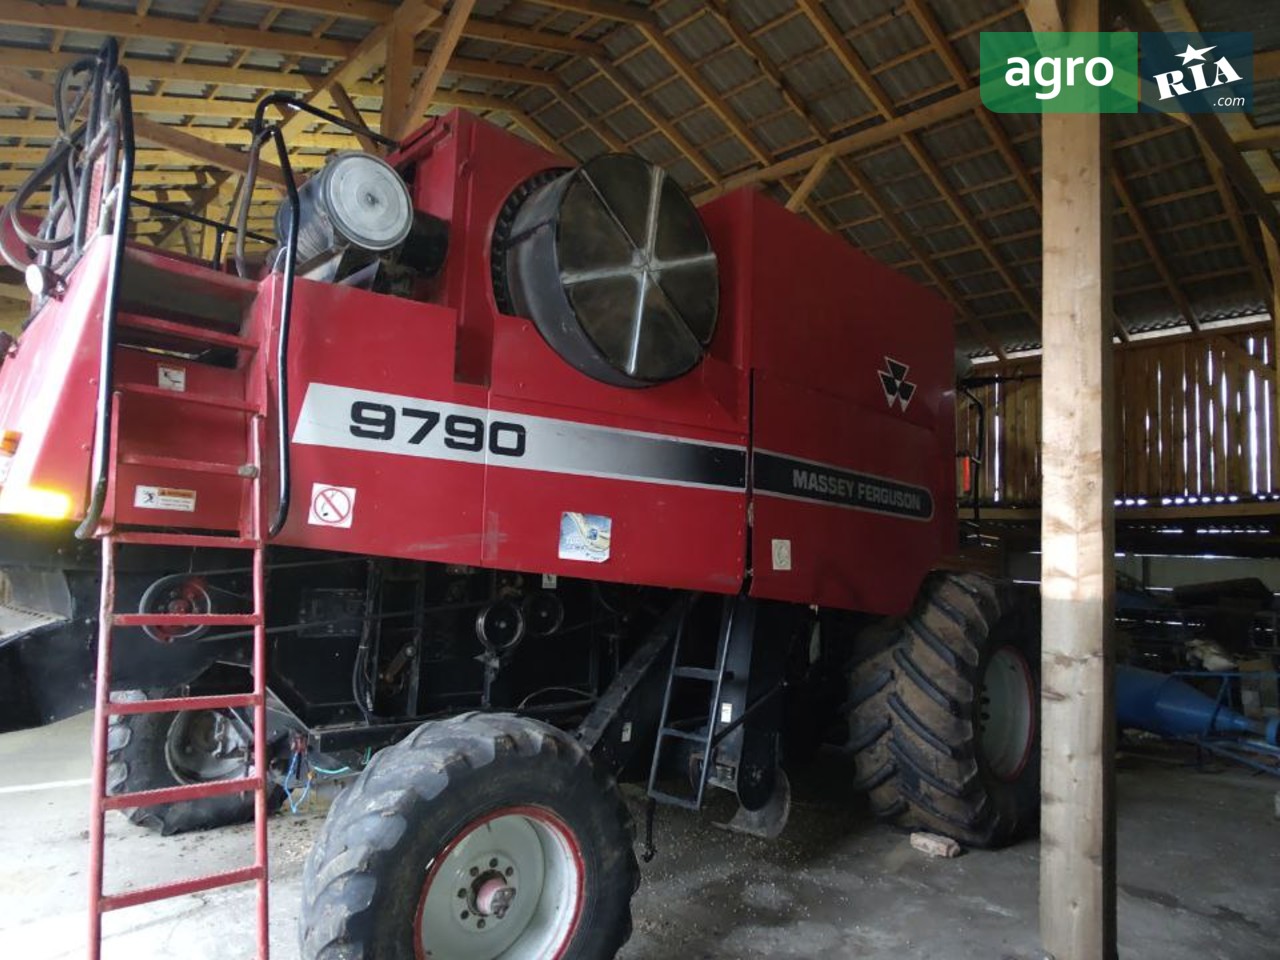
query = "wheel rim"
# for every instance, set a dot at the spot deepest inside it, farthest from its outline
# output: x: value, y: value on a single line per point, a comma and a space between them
x: 509, y: 886
x: 204, y: 745
x: 1007, y: 717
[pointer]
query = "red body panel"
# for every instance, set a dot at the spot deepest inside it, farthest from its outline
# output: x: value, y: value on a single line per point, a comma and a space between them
x: 48, y: 389
x: 823, y: 320
x: 439, y: 429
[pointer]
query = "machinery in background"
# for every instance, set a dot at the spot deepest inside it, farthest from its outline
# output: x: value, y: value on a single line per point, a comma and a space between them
x: 503, y: 481
x: 1168, y: 705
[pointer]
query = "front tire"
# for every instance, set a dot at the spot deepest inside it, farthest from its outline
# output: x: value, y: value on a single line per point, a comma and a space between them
x: 944, y: 718
x: 482, y: 836
x: 148, y: 751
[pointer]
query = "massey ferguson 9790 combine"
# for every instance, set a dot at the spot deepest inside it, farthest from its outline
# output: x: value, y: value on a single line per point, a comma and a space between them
x: 500, y: 481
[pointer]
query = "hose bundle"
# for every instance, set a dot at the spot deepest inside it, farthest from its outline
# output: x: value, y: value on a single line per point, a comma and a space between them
x: 83, y: 115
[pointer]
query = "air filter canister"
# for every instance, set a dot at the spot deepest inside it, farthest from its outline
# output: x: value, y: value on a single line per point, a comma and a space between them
x: 357, y: 200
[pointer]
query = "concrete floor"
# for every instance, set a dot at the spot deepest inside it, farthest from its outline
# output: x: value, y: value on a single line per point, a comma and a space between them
x: 1199, y: 876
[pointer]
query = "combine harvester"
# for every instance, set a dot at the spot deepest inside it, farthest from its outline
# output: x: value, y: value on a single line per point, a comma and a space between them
x: 520, y: 480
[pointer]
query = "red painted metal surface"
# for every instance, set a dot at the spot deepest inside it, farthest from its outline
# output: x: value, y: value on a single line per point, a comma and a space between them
x: 807, y: 327
x: 823, y: 320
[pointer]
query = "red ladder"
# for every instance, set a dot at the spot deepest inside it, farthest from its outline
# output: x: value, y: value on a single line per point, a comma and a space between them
x: 251, y: 536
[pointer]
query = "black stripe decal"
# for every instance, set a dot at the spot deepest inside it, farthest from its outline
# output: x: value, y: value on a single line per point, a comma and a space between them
x: 822, y: 483
x: 352, y: 419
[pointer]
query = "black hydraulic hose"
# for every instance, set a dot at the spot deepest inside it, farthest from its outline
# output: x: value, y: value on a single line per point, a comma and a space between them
x: 58, y: 167
x: 290, y: 241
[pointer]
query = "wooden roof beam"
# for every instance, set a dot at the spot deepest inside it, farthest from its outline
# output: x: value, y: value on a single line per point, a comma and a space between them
x: 402, y: 118
x: 671, y: 53
x: 853, y: 143
x: 666, y: 128
x: 405, y: 23
x: 932, y: 29
x: 47, y: 62
x: 1139, y: 222
x: 966, y: 220
x: 111, y: 23
x: 606, y: 9
x: 909, y: 239
x: 16, y: 84
x: 1243, y: 239
x: 1211, y: 127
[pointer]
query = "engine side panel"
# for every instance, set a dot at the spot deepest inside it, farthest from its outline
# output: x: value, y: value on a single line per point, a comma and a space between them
x: 853, y: 485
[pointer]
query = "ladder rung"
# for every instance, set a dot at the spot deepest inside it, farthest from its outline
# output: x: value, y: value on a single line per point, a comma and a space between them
x: 165, y: 891
x: 171, y: 704
x: 697, y: 673
x: 181, y: 396
x: 186, y: 619
x: 183, y: 331
x: 245, y: 471
x: 149, y: 539
x: 682, y: 734
x: 689, y: 803
x: 180, y: 793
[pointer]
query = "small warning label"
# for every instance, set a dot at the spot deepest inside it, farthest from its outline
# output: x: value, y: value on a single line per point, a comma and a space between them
x: 172, y: 378
x: 165, y: 498
x: 332, y: 506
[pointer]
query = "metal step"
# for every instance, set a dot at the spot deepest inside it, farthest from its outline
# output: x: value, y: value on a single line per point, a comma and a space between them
x: 181, y: 793
x: 689, y: 803
x: 147, y: 538
x: 679, y: 734
x: 182, y: 396
x: 184, y: 332
x: 163, y: 891
x: 244, y: 471
x: 173, y: 704
x: 698, y: 673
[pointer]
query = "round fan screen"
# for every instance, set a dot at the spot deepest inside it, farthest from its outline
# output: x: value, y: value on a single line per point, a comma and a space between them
x: 613, y: 265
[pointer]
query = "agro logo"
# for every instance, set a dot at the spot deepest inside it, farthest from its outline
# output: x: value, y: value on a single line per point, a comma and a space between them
x: 896, y: 385
x: 1179, y: 83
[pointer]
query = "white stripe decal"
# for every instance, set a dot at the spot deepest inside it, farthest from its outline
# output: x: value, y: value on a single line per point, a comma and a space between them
x: 350, y: 419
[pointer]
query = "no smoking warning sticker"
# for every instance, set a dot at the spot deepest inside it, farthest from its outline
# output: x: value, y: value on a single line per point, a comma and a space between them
x: 331, y: 506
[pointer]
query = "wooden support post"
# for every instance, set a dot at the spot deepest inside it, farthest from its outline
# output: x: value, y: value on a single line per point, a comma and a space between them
x: 1077, y: 819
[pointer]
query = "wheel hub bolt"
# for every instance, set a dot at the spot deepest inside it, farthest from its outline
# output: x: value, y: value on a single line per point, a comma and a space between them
x: 494, y: 897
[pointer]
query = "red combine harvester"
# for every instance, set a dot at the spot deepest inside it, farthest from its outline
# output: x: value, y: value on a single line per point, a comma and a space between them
x: 534, y: 476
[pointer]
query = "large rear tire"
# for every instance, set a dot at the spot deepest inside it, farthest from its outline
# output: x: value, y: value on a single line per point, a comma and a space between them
x: 483, y: 836
x: 944, y: 713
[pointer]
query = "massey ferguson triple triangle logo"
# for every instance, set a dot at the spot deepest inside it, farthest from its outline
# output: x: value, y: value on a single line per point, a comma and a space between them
x: 895, y: 383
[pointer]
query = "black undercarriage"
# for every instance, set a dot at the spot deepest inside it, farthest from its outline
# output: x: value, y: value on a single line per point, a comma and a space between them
x: 362, y: 650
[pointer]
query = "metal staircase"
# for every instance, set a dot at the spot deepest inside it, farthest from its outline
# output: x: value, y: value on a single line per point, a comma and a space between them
x: 251, y: 537
x: 705, y: 737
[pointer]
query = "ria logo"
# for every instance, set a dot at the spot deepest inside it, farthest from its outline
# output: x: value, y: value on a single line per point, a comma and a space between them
x: 896, y: 385
x: 1179, y: 83
x: 1197, y: 72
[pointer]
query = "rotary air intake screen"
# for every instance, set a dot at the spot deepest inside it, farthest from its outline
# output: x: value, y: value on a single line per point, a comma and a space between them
x: 612, y: 264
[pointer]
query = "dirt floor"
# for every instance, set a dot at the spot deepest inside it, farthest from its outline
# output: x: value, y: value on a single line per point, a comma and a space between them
x: 1199, y: 875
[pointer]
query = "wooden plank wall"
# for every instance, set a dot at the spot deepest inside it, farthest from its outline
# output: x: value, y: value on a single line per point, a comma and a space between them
x: 1196, y: 417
